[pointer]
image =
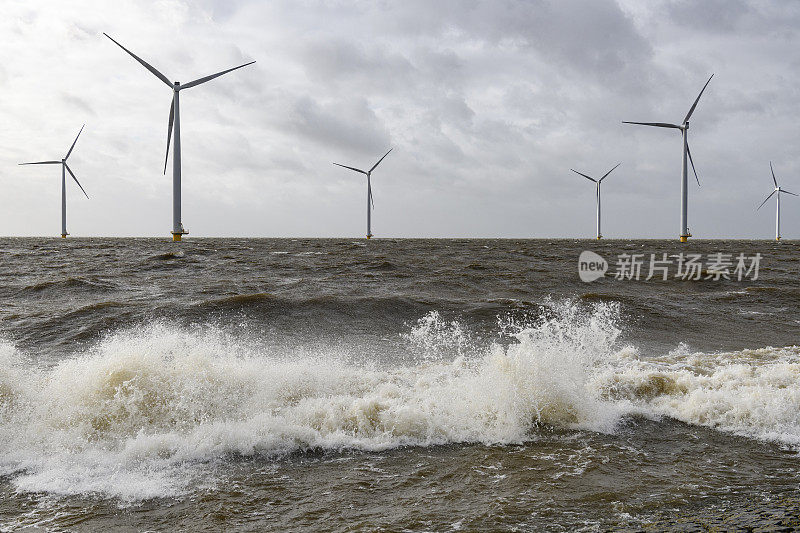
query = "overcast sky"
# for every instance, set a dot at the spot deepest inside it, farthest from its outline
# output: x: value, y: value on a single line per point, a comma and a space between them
x: 487, y: 104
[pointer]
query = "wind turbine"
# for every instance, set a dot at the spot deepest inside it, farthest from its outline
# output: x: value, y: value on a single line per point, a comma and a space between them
x: 368, y: 174
x: 175, y: 121
x: 684, y: 128
x: 597, y: 182
x: 777, y: 190
x: 64, y: 169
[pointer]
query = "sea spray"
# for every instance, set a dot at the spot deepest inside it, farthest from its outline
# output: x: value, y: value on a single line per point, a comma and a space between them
x: 437, y: 338
x: 146, y: 413
x: 555, y: 358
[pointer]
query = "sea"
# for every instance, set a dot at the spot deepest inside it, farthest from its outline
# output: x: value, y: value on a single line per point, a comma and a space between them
x: 397, y: 385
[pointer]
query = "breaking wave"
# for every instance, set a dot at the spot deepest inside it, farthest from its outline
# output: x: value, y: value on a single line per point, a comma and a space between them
x: 142, y: 412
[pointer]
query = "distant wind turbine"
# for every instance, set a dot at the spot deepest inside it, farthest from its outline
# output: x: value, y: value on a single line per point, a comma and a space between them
x: 370, y: 201
x: 175, y: 121
x: 64, y: 169
x: 684, y: 127
x: 597, y: 183
x: 777, y: 190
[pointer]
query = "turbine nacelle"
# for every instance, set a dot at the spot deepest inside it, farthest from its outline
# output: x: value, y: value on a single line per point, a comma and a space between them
x: 778, y: 189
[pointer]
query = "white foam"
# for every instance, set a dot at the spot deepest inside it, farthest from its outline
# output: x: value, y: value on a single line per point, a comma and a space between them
x: 753, y: 393
x: 140, y: 414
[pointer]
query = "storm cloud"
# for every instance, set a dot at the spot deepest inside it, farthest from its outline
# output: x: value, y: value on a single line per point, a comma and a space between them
x: 487, y: 104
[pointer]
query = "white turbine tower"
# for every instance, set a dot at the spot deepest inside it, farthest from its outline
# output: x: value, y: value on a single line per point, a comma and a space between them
x: 175, y: 122
x: 684, y: 127
x: 597, y: 187
x: 777, y: 190
x: 64, y: 169
x: 370, y: 201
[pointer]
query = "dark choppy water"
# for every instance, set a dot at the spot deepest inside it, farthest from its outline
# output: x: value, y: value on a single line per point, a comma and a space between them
x: 397, y: 385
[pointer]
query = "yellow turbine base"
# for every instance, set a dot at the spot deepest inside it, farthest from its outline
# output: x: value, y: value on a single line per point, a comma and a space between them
x: 777, y: 239
x: 684, y: 238
x: 176, y: 237
x: 369, y: 236
x: 63, y: 236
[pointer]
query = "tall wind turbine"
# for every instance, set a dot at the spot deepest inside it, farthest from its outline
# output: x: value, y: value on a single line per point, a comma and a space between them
x: 597, y: 183
x: 370, y: 201
x: 64, y: 169
x: 777, y: 191
x: 175, y: 122
x: 684, y: 128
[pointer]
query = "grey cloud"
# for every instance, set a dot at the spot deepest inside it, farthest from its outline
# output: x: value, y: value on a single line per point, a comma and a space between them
x: 349, y: 124
x: 711, y: 15
x: 488, y: 104
x: 593, y: 34
x: 439, y: 66
x: 79, y: 103
x: 779, y: 17
x: 368, y: 65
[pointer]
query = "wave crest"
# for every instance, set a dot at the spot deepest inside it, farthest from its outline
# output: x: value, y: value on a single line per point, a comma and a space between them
x: 139, y: 414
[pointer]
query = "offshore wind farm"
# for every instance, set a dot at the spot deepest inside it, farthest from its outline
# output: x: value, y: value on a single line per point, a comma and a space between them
x: 174, y: 132
x: 490, y: 353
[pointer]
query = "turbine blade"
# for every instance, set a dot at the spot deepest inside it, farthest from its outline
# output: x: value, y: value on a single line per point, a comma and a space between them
x: 371, y: 199
x: 212, y: 76
x: 787, y: 192
x: 169, y: 132
x: 773, y: 175
x: 765, y: 200
x: 351, y: 168
x: 42, y: 163
x: 609, y: 172
x: 73, y: 143
x: 694, y: 105
x: 656, y: 124
x: 584, y: 175
x: 379, y: 160
x: 76, y: 180
x: 692, y: 162
x: 144, y: 63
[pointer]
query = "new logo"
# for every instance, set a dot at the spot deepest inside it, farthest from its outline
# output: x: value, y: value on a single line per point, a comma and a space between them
x: 591, y: 266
